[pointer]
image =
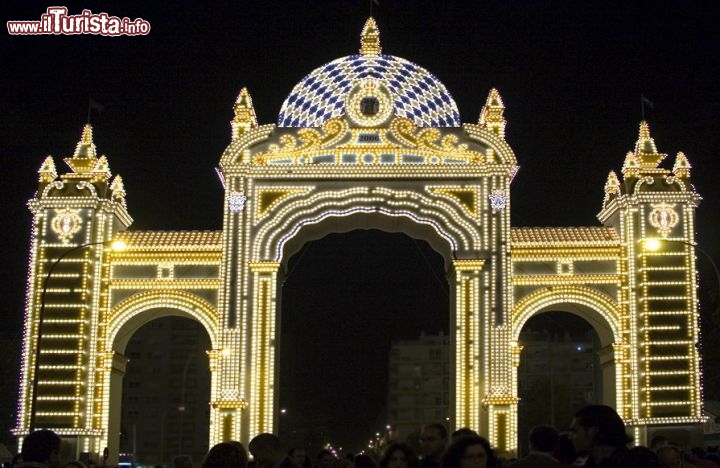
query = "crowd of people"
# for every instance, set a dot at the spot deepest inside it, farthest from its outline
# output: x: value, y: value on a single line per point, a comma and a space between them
x: 597, y: 439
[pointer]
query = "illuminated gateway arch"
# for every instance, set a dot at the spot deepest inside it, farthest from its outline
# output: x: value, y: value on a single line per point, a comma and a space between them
x: 365, y: 141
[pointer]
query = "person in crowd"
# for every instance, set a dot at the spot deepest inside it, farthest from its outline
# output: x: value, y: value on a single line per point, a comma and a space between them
x: 41, y: 449
x: 433, y: 442
x: 469, y: 452
x: 543, y: 441
x: 364, y: 461
x: 399, y: 455
x: 712, y: 454
x: 698, y: 457
x: 326, y: 459
x: 599, y: 432
x: 75, y: 464
x: 299, y: 456
x: 670, y: 456
x: 16, y: 461
x: 565, y: 451
x: 267, y: 450
x: 230, y: 454
x: 462, y: 432
x: 643, y: 456
x: 658, y: 441
x: 181, y: 461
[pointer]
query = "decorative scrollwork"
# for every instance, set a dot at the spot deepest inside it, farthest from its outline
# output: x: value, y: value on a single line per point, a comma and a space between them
x: 308, y: 140
x: 429, y: 143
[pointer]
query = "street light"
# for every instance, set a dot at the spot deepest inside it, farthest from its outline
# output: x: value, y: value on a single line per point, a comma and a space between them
x: 115, y: 245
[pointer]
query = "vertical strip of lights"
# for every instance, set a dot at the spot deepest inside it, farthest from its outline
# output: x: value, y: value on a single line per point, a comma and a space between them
x: 691, y: 279
x: 634, y: 374
x: 644, y: 395
x: 101, y: 369
x: 461, y: 404
x: 28, y: 323
x: 468, y: 370
x: 99, y: 266
x: 263, y: 346
x: 242, y: 368
x: 507, y: 304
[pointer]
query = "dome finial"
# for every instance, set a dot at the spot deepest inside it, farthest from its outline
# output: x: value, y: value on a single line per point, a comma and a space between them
x: 682, y: 166
x: 47, y: 171
x: 491, y: 115
x: 370, y: 38
x: 118, y: 190
x: 612, y: 188
x: 245, y: 118
x: 84, y: 158
x: 86, y: 147
x: 645, y: 150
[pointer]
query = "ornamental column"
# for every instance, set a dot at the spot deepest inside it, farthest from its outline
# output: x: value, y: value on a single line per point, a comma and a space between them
x: 114, y: 365
x: 262, y: 347
x: 467, y: 322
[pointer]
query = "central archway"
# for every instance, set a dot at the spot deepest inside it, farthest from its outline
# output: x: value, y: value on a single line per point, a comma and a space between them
x: 449, y: 229
x: 446, y: 186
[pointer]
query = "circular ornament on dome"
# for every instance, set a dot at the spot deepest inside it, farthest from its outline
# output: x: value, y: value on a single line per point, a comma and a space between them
x: 369, y: 103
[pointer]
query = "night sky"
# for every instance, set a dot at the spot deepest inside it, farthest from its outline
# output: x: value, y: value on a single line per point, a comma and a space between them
x: 571, y: 74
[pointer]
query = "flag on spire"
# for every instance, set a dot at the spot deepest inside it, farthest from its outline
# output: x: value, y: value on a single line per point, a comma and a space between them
x: 645, y: 102
x: 93, y: 105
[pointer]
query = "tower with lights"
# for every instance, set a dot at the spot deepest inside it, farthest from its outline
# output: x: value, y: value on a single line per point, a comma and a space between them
x: 75, y: 217
x: 365, y: 141
x: 657, y: 205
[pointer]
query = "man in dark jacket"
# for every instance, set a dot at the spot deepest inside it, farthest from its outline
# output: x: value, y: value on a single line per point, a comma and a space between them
x: 268, y: 452
x: 599, y: 432
x: 543, y: 440
x: 41, y: 449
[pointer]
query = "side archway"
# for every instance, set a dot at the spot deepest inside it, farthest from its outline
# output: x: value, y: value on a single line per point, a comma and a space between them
x: 137, y: 310
x: 598, y: 309
x: 125, y: 319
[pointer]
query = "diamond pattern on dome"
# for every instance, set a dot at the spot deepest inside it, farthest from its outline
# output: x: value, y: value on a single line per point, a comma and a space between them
x: 418, y: 95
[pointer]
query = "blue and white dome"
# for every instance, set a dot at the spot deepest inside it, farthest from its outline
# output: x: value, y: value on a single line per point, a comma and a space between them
x: 417, y: 94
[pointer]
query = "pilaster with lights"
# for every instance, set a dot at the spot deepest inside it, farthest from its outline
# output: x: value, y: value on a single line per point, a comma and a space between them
x: 75, y: 215
x: 663, y: 379
x: 229, y: 399
x: 500, y: 397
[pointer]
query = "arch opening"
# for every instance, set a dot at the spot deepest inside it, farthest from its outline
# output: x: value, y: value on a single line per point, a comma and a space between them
x: 369, y: 289
x: 367, y: 221
x: 560, y: 371
x: 165, y: 391
x: 129, y: 318
x: 589, y: 313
